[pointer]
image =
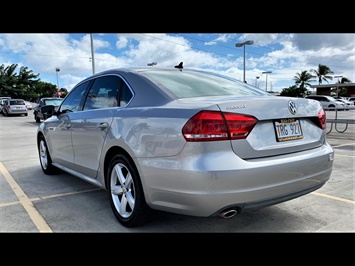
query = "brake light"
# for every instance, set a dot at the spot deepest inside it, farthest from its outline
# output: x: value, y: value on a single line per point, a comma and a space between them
x: 214, y: 125
x: 322, y: 119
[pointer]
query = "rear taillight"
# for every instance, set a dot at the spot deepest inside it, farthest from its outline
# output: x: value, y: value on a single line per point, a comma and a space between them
x: 214, y: 125
x: 322, y: 119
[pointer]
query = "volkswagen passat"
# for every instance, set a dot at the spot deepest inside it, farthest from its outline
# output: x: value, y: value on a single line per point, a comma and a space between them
x: 185, y: 141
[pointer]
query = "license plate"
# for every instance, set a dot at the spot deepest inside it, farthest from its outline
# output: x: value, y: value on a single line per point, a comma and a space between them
x: 288, y: 129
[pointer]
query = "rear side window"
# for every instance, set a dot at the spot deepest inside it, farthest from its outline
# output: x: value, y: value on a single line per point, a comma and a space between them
x: 107, y: 91
x: 103, y: 93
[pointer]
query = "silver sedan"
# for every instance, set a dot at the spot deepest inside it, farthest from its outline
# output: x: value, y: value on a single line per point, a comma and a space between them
x: 185, y: 141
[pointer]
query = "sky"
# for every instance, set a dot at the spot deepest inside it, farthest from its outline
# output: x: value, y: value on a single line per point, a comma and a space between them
x: 65, y: 59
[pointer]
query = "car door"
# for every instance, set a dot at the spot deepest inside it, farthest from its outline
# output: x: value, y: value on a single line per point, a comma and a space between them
x: 90, y: 126
x: 59, y: 127
x: 38, y: 109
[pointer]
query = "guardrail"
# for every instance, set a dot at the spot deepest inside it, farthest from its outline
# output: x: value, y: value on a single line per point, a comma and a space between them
x: 335, y: 121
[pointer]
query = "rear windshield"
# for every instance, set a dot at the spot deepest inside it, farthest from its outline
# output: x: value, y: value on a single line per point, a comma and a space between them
x: 17, y: 102
x: 55, y: 102
x: 187, y: 84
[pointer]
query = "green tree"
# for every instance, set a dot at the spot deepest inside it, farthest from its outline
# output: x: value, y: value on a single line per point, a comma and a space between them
x: 344, y: 80
x: 302, y: 79
x: 343, y: 90
x: 26, y: 83
x: 8, y: 80
x: 44, y: 89
x: 21, y: 85
x: 292, y: 91
x: 323, y: 73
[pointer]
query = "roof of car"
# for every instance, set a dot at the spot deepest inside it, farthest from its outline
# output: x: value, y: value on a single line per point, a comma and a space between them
x: 54, y: 98
x: 136, y: 70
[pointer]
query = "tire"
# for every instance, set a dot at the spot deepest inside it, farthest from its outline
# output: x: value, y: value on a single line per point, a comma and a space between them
x: 38, y: 120
x: 45, y: 158
x: 126, y: 193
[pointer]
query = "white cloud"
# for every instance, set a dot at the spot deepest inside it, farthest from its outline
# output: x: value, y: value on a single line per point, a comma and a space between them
x: 283, y: 54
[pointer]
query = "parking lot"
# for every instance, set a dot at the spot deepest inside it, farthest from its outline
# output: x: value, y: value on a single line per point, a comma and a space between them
x: 30, y: 201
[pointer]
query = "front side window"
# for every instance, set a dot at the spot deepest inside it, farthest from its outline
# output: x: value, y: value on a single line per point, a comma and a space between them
x: 74, y: 100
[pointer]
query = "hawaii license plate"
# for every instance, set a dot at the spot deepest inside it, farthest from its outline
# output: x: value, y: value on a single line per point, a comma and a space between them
x: 288, y: 129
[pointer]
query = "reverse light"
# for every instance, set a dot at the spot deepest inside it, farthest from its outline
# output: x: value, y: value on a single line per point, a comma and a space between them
x: 215, y: 125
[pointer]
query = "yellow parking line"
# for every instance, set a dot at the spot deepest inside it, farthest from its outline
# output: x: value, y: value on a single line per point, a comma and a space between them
x: 332, y: 197
x: 344, y: 155
x: 50, y: 196
x: 66, y: 194
x: 37, y: 219
x: 342, y: 145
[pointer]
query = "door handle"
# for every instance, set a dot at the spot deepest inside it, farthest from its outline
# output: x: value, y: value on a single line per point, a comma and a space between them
x: 102, y: 125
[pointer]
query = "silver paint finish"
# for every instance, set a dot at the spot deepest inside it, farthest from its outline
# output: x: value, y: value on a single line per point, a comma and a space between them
x: 193, y: 178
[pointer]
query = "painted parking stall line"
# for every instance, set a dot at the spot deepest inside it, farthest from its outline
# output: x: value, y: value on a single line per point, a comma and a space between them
x: 35, y: 216
x: 333, y: 197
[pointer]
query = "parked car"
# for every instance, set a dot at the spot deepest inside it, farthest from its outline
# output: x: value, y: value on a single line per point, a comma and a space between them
x: 347, y: 104
x: 37, y: 111
x: 351, y: 99
x: 14, y: 107
x: 1, y: 105
x: 2, y: 101
x: 185, y: 141
x: 29, y: 105
x: 328, y: 102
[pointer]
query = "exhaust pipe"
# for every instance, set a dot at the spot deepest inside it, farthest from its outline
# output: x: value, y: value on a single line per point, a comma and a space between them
x: 228, y: 213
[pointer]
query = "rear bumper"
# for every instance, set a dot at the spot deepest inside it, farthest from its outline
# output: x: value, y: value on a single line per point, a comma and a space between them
x: 206, y: 185
x: 17, y: 112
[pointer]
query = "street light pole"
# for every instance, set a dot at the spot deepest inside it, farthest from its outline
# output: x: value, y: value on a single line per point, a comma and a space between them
x: 266, y: 72
x: 240, y: 45
x: 92, y: 54
x: 57, y: 69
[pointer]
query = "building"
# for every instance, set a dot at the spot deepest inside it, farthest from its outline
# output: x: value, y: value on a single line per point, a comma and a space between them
x: 327, y: 88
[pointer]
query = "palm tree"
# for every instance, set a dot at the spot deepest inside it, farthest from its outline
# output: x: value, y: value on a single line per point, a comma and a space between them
x: 303, y: 80
x: 342, y: 91
x: 322, y: 73
x: 344, y: 80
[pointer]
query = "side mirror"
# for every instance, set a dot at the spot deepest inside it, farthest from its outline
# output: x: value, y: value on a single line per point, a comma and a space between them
x: 48, y: 111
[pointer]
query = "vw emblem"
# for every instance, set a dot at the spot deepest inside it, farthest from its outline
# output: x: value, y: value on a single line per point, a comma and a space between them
x: 292, y: 107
